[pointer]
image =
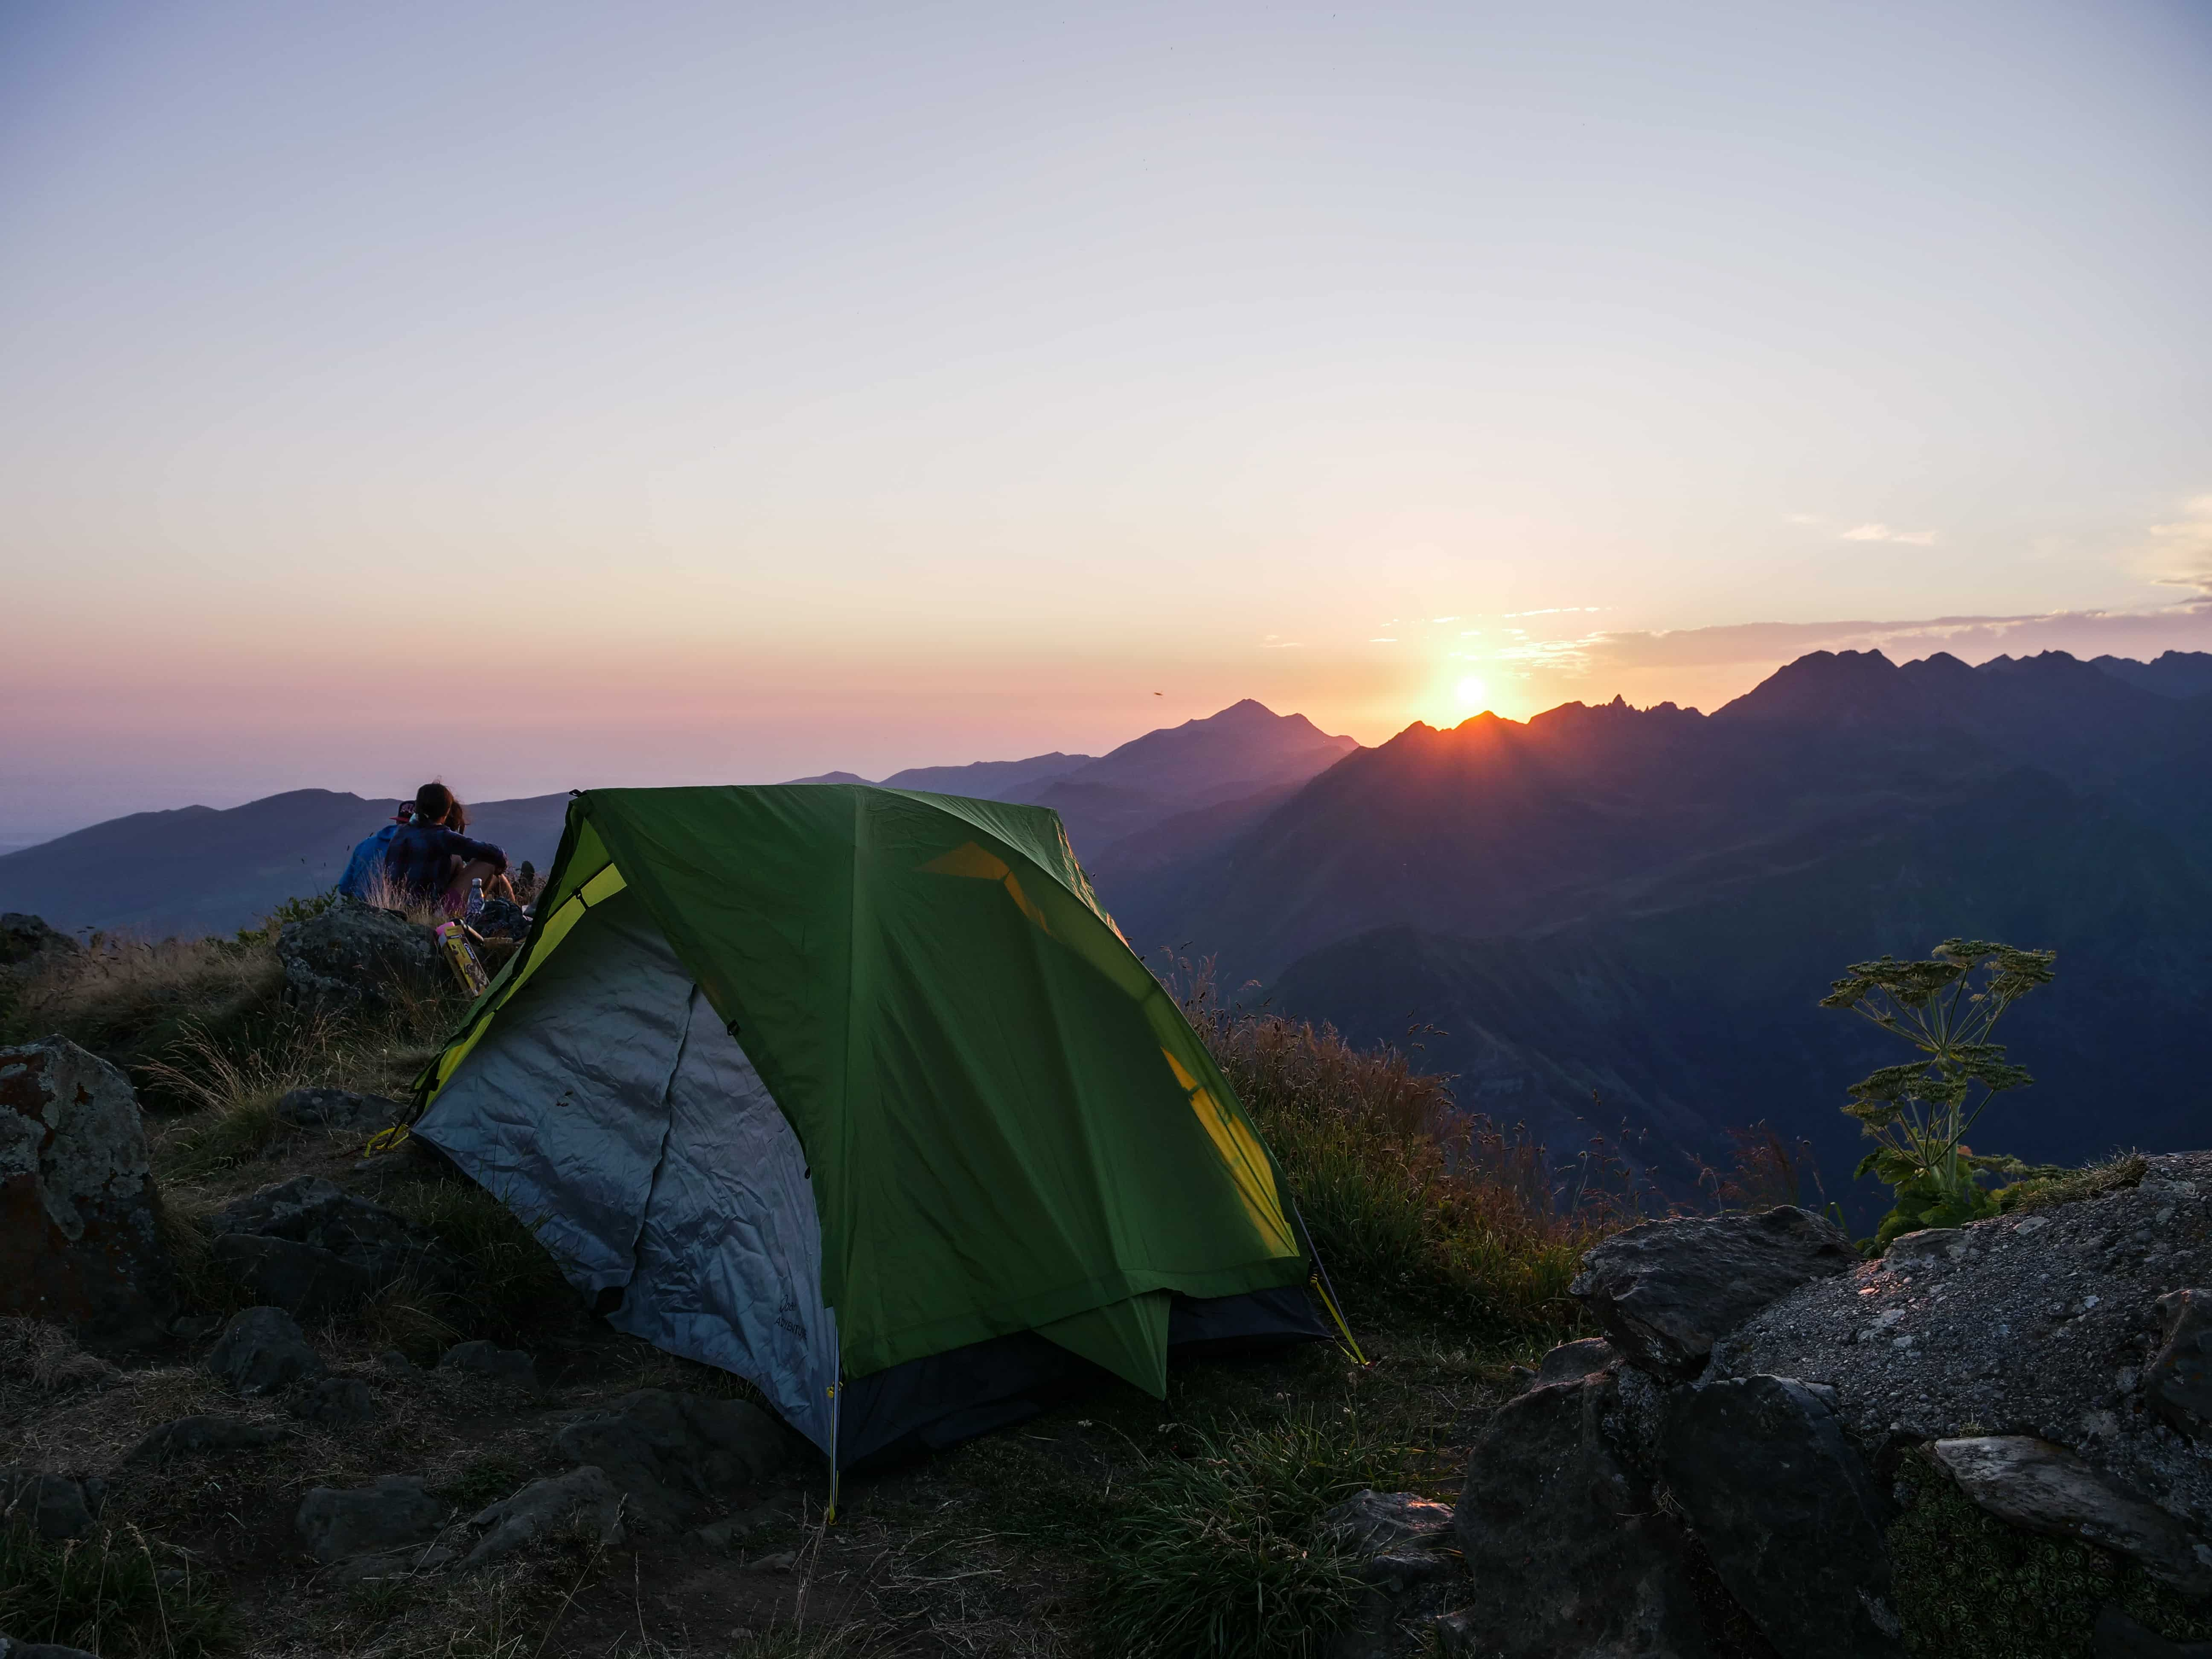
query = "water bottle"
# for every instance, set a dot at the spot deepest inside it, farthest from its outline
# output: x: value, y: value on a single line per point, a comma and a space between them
x: 475, y: 913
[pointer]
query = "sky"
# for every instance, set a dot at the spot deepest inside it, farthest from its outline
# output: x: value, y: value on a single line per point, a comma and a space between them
x: 542, y: 396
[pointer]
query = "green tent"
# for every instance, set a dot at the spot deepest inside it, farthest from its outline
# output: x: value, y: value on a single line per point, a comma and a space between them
x: 857, y: 1093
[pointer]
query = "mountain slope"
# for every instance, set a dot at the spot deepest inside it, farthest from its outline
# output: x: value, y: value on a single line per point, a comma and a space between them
x: 199, y: 870
x: 988, y: 780
x: 1698, y: 1011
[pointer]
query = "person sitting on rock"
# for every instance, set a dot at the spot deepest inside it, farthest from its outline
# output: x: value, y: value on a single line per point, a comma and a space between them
x: 430, y: 861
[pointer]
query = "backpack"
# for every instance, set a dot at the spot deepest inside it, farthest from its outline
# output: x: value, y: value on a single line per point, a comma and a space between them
x: 366, y: 864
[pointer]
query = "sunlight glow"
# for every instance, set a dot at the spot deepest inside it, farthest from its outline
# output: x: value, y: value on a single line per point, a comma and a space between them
x: 1470, y: 692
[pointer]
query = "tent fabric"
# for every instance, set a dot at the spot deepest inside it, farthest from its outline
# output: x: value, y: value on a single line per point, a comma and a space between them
x: 926, y: 1405
x: 1003, y: 1122
x: 1007, y: 1120
x: 631, y: 1132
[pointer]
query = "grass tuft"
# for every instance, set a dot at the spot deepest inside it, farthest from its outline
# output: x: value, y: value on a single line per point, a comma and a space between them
x: 1971, y: 1587
x: 109, y: 1594
x: 2046, y: 1189
x: 1215, y: 1553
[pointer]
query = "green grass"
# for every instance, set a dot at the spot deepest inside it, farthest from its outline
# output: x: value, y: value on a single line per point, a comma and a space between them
x: 2047, y: 1189
x: 110, y: 1593
x: 1214, y: 1553
x: 1971, y: 1587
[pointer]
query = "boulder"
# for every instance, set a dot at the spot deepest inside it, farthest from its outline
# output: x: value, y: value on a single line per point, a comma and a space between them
x: 80, y: 1235
x: 1787, y: 1513
x: 1665, y: 1291
x: 1569, y: 1553
x: 24, y: 939
x: 397, y: 1510
x: 1572, y: 1360
x: 306, y: 1282
x: 509, y: 1365
x: 2049, y: 1324
x: 53, y: 1506
x: 201, y: 1434
x: 338, y: 1110
x: 668, y: 1452
x: 2176, y: 1384
x: 11, y: 1648
x: 362, y: 1246
x: 352, y: 955
x: 583, y: 1499
x: 262, y: 1351
x: 1399, y: 1542
x: 2045, y: 1488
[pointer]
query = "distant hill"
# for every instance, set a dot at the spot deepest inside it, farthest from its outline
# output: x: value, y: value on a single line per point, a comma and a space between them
x: 1208, y: 778
x: 196, y: 870
x: 988, y: 780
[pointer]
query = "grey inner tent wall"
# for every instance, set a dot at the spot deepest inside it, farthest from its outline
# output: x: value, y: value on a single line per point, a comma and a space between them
x: 607, y: 1091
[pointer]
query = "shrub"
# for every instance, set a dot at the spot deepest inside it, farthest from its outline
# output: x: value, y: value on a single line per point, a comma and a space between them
x: 1411, y: 1206
x: 109, y: 1594
x: 1216, y: 1554
x: 1918, y: 1113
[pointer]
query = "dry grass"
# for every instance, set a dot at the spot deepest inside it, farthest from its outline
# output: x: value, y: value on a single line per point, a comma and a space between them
x: 129, y: 999
x: 1416, y: 1210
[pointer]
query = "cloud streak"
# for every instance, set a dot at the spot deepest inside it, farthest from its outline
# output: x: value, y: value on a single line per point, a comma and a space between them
x: 2185, y: 626
x: 1882, y: 533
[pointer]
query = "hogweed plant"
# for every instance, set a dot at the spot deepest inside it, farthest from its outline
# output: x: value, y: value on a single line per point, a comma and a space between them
x: 1919, y: 1112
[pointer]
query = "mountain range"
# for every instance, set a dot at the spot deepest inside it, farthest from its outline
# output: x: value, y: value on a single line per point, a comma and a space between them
x: 1619, y: 921
x: 198, y: 870
x: 1605, y: 921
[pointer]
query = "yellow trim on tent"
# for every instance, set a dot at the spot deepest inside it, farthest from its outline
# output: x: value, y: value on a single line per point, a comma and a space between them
x: 596, y: 890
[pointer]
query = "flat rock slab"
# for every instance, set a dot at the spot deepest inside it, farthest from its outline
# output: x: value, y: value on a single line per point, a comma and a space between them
x: 1569, y: 1554
x: 2178, y: 1382
x: 377, y: 1243
x: 11, y: 1648
x: 668, y: 1452
x: 1401, y: 1543
x: 80, y: 1243
x: 584, y: 1498
x: 306, y: 1282
x: 1787, y: 1512
x: 2040, y: 1324
x: 262, y: 1351
x: 210, y: 1433
x: 2045, y: 1488
x: 1665, y: 1291
x: 1571, y: 1361
x: 398, y: 1509
x: 339, y: 1110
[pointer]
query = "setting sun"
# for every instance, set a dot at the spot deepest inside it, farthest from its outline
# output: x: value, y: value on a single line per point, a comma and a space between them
x: 1470, y: 692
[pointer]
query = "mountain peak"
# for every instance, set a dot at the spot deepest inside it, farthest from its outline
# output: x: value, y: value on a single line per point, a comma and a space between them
x: 1832, y: 687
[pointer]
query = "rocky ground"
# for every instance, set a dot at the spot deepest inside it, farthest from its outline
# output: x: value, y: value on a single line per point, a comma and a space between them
x: 262, y: 1393
x: 372, y: 1478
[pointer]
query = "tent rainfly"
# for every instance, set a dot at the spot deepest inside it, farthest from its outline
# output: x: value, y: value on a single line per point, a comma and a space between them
x: 857, y: 1093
